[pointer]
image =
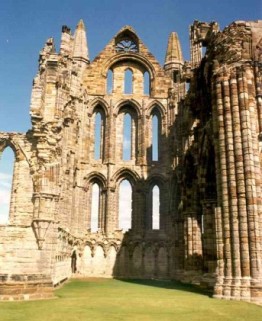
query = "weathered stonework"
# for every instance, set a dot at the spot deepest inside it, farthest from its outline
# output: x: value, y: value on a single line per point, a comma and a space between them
x: 208, y: 170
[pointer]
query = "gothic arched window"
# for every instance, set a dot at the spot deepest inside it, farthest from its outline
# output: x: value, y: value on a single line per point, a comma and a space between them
x: 155, y: 208
x: 127, y: 137
x: 95, y: 205
x: 146, y: 83
x: 127, y: 134
x: 125, y: 206
x: 99, y: 133
x: 6, y: 176
x: 110, y: 82
x: 155, y: 134
x: 155, y: 137
x: 98, y: 121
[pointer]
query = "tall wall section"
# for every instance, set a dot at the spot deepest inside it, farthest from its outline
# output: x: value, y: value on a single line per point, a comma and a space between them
x: 220, y: 125
x: 110, y: 251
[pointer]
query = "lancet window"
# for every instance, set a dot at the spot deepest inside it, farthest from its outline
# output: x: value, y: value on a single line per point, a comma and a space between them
x: 6, y: 175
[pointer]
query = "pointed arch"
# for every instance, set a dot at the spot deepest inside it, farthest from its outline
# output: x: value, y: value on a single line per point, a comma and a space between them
x: 95, y: 177
x: 22, y: 167
x: 156, y: 105
x: 126, y: 173
x: 131, y: 104
x: 13, y: 142
x: 158, y: 179
x: 102, y: 103
x: 126, y: 40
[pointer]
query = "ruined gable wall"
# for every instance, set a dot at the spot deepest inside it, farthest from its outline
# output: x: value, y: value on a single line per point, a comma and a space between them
x: 95, y: 77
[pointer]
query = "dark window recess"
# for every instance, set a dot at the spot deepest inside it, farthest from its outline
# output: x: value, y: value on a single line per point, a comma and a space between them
x: 176, y: 76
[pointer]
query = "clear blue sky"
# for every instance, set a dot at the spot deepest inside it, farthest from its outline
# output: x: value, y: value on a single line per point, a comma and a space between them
x: 26, y: 24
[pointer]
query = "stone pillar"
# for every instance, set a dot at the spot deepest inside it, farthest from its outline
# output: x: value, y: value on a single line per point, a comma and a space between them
x: 239, y: 188
x: 240, y: 185
x: 139, y: 209
x: 111, y: 210
x: 232, y: 191
x: 248, y: 119
x: 193, y: 248
x: 223, y: 187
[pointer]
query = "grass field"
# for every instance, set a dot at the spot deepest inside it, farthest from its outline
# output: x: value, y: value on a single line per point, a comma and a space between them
x: 107, y: 300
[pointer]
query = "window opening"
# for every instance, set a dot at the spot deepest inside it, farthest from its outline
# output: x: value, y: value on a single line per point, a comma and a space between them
x: 126, y: 45
x: 203, y: 51
x: 98, y: 136
x: 146, y: 83
x: 125, y: 206
x: 176, y: 76
x: 127, y: 137
x: 187, y: 86
x: 128, y: 85
x: 6, y: 176
x: 202, y: 224
x: 155, y: 208
x: 155, y: 137
x: 110, y: 79
x: 95, y: 203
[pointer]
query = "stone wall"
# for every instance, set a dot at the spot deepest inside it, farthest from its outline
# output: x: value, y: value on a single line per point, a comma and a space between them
x: 221, y: 128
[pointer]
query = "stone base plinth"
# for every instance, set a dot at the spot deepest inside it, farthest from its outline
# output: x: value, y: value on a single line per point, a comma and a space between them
x: 242, y: 292
x: 27, y: 287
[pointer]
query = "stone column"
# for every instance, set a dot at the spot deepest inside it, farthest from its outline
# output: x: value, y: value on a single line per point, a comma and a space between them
x: 252, y: 178
x: 223, y: 187
x: 240, y: 186
x: 232, y: 191
x: 111, y: 210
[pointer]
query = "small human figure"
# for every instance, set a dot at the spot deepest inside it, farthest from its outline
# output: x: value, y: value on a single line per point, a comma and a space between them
x: 74, y: 259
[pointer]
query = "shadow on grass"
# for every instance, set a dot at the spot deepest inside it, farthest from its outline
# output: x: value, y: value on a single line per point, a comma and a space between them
x: 169, y: 284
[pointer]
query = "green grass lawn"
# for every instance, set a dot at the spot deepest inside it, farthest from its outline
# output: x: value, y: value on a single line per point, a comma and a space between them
x: 107, y: 299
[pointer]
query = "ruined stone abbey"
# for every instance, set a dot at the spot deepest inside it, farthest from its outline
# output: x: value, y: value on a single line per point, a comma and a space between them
x: 194, y: 134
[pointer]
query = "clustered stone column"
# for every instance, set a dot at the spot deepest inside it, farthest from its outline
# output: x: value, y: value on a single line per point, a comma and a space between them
x: 238, y: 185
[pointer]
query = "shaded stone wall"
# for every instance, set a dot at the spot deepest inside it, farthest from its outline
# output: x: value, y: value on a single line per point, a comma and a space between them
x: 220, y: 130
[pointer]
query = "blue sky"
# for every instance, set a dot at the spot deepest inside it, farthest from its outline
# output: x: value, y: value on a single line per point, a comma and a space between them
x: 26, y: 24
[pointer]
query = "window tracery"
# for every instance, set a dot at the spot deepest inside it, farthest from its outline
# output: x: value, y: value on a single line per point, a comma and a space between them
x: 126, y: 45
